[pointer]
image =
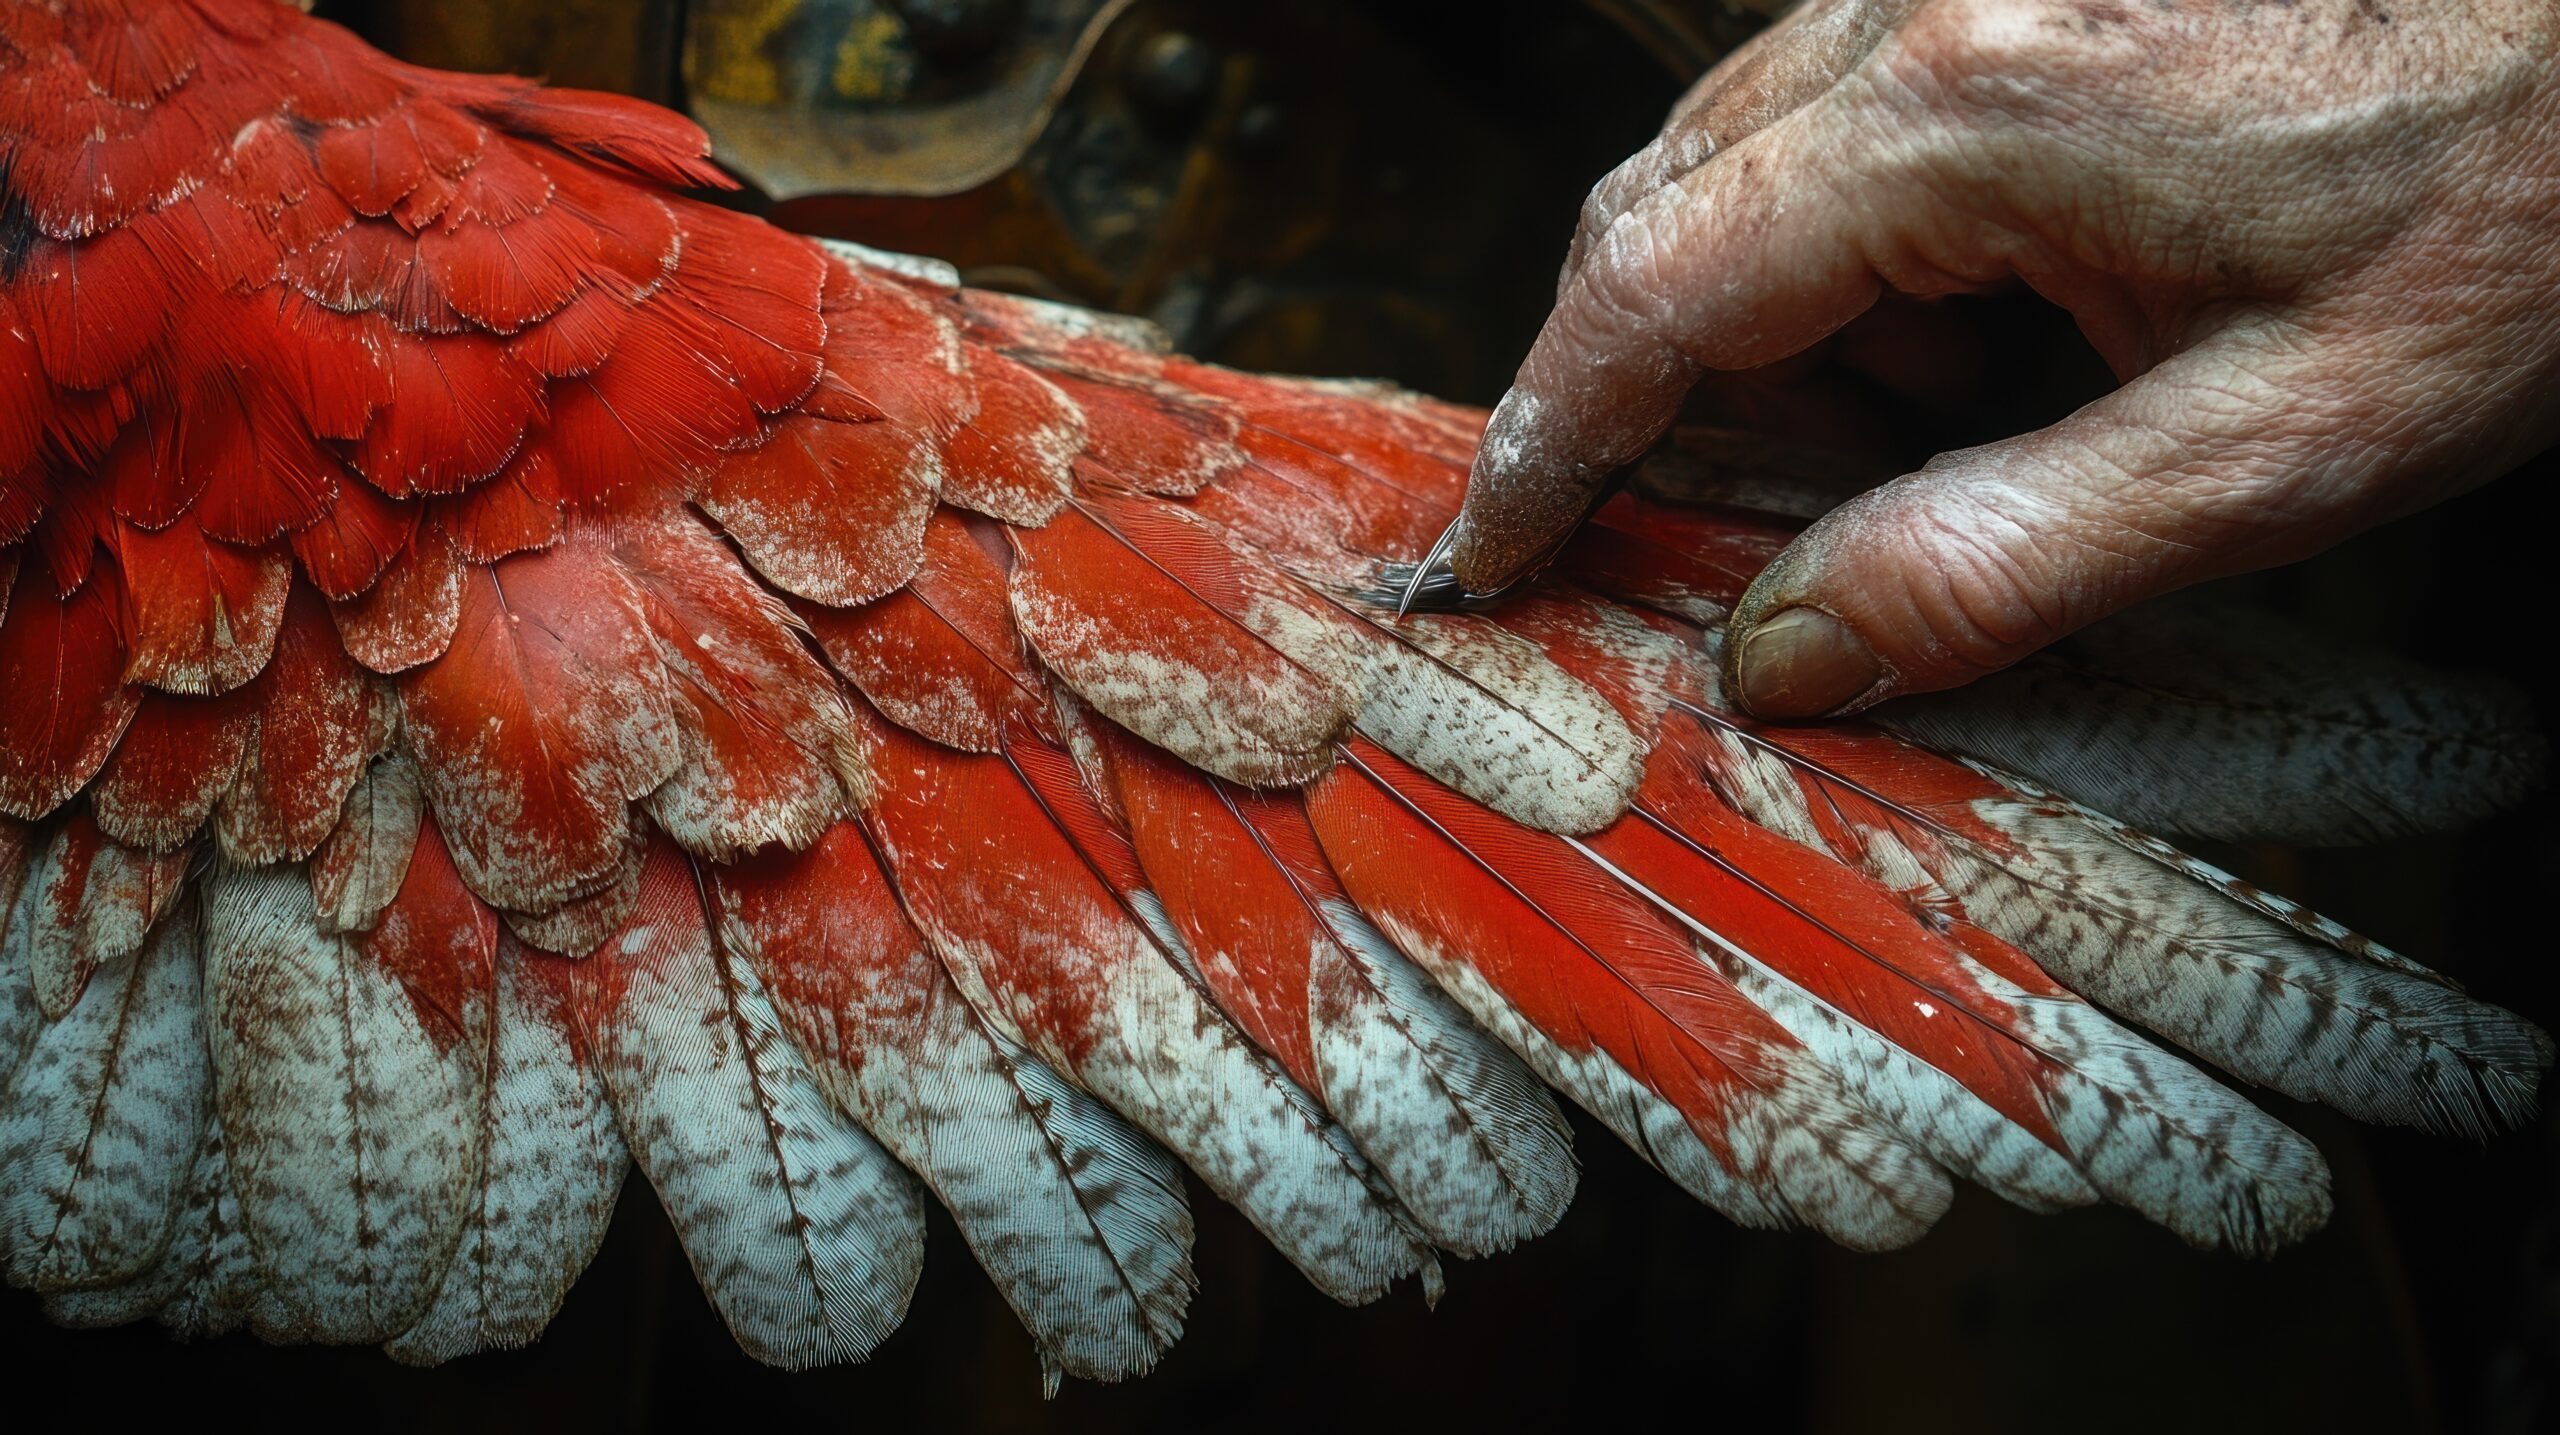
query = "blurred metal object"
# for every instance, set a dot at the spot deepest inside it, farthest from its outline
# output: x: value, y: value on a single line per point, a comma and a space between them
x: 912, y: 97
x: 930, y: 97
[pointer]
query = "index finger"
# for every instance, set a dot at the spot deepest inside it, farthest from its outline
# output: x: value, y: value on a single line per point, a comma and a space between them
x: 1737, y: 264
x: 1774, y: 74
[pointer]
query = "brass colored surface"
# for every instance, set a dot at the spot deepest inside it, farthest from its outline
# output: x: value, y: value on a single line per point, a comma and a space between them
x: 811, y: 96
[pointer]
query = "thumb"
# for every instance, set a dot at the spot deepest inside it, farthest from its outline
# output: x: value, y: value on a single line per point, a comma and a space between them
x: 2251, y: 448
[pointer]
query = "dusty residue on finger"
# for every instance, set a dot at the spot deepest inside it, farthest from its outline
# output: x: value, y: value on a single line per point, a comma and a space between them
x: 1523, y: 498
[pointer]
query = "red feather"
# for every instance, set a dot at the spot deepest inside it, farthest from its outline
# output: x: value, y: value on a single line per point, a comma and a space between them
x: 577, y: 339
x: 463, y: 404
x: 1406, y: 445
x: 374, y: 165
x: 940, y: 655
x: 643, y: 139
x: 1598, y: 971
x: 832, y: 512
x: 199, y: 616
x: 1674, y: 559
x: 62, y: 664
x: 748, y: 299
x: 1828, y: 930
x: 514, y: 511
x: 317, y: 724
x: 633, y: 229
x: 548, y: 714
x: 501, y: 252
x: 1008, y: 885
x: 439, y: 942
x: 762, y: 721
x: 1158, y: 440
x: 1015, y: 460
x: 1300, y: 503
x: 1587, y: 963
x: 657, y: 413
x: 93, y: 307
x: 328, y: 76
x: 142, y: 54
x: 890, y: 354
x: 1248, y: 916
x: 1141, y: 609
x: 176, y: 761
x: 359, y: 537
x: 26, y: 397
x: 407, y: 617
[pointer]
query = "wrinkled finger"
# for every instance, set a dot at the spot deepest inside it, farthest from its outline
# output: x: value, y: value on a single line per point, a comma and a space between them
x: 1772, y: 76
x: 1737, y: 264
x: 2249, y: 449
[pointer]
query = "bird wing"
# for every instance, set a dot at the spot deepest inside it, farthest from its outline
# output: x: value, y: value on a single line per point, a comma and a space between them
x: 513, y: 672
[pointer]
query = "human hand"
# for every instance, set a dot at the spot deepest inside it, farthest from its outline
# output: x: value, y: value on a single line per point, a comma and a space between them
x: 2318, y: 241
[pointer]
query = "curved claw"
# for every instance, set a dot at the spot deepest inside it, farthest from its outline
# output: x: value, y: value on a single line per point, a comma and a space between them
x: 1433, y: 585
x: 1430, y: 586
x: 1431, y: 582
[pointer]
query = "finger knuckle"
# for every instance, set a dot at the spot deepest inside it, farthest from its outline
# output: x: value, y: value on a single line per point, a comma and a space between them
x: 1978, y: 587
x: 1604, y: 201
x: 1958, y: 44
x: 1630, y: 283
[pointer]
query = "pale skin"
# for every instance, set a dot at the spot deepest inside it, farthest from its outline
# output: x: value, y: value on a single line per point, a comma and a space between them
x: 2317, y: 241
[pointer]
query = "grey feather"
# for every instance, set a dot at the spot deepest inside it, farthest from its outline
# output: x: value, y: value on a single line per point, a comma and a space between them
x: 2198, y: 717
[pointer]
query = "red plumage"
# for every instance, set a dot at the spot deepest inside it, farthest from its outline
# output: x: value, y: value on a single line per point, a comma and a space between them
x: 319, y: 718
x: 940, y: 656
x: 1597, y: 970
x: 177, y: 759
x: 508, y: 671
x: 1823, y: 928
x: 62, y: 664
x: 548, y: 714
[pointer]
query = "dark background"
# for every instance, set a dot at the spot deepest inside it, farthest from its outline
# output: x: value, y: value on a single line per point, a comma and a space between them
x: 2431, y: 1302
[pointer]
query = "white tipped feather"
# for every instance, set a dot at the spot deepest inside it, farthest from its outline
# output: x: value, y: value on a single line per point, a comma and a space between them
x: 1487, y: 713
x: 2162, y: 946
x: 1468, y: 1138
x: 1304, y: 1104
x: 2138, y: 1126
x: 554, y: 1167
x: 2239, y: 988
x: 101, y: 1126
x: 1954, y: 1125
x: 1131, y: 1192
x: 1166, y: 1059
x: 1044, y: 949
x: 804, y: 1233
x: 1079, y: 1219
x: 1653, y: 1127
x: 359, y: 867
x: 91, y: 900
x: 351, y: 1129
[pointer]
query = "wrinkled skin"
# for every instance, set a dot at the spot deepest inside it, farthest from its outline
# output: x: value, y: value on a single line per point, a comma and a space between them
x: 2318, y: 241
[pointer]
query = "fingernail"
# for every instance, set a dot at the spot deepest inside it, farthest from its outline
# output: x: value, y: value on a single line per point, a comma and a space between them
x: 1804, y: 663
